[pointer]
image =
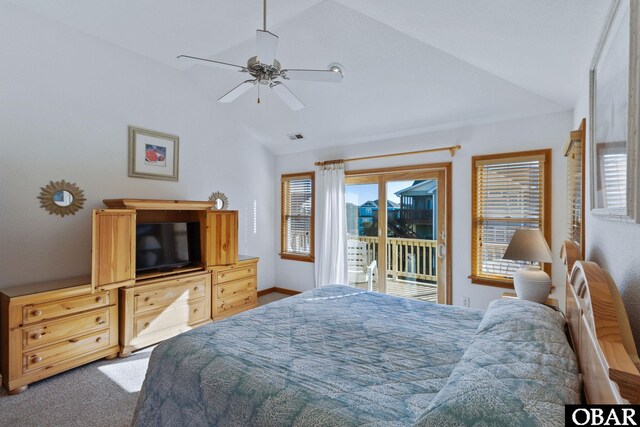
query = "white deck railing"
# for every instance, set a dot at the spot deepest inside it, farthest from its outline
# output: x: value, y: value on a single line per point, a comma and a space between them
x: 406, y: 258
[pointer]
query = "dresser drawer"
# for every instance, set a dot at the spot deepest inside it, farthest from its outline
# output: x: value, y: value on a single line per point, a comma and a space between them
x: 185, y: 313
x: 236, y: 287
x: 235, y: 274
x: 51, y: 310
x: 234, y: 302
x: 61, y: 329
x: 153, y: 299
x: 60, y: 352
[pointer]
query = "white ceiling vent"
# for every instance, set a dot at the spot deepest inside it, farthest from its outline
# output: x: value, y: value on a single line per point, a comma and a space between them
x: 295, y: 136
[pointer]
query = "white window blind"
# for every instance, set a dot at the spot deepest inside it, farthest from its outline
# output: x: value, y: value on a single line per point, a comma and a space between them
x: 574, y: 190
x: 612, y: 171
x: 297, y: 208
x: 509, y: 194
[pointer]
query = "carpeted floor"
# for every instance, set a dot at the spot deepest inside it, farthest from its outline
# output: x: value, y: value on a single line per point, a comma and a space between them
x: 99, y: 394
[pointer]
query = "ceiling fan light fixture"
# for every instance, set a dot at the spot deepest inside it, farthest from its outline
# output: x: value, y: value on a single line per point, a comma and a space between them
x: 266, y: 70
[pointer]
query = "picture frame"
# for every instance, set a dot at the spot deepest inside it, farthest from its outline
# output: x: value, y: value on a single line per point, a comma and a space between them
x: 614, y: 116
x: 153, y: 155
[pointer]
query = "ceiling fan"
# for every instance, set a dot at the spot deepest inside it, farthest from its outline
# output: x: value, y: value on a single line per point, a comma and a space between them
x: 266, y: 70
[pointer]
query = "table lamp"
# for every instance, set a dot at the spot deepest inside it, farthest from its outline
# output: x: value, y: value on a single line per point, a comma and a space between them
x: 530, y: 282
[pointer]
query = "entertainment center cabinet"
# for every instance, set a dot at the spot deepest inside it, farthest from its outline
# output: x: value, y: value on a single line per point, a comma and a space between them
x: 51, y: 327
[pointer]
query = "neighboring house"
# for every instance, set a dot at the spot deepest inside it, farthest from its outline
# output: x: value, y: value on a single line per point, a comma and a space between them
x: 414, y: 217
x: 368, y: 216
x: 418, y: 209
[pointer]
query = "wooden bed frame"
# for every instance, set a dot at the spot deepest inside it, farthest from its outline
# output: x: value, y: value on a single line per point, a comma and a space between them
x: 609, y: 373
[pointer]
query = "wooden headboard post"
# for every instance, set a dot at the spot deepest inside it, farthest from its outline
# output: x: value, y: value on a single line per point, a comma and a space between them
x: 609, y: 374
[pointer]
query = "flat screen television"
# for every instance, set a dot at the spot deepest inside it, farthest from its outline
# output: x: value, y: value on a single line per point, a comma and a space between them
x: 167, y: 245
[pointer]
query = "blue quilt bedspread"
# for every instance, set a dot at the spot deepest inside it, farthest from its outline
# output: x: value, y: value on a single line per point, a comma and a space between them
x: 338, y: 356
x: 518, y: 371
x: 332, y: 356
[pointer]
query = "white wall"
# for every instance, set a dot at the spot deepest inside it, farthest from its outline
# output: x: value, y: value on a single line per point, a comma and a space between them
x: 614, y: 245
x: 66, y: 100
x: 550, y: 131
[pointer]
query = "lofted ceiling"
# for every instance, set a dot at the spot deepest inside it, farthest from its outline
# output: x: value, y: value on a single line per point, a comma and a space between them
x: 411, y: 66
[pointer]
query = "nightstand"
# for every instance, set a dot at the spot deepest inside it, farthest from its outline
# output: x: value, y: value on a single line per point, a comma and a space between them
x: 551, y: 302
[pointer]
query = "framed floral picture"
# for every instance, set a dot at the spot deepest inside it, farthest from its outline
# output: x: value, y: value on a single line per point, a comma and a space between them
x: 153, y: 154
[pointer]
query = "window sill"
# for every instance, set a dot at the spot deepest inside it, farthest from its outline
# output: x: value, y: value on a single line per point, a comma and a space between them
x: 292, y: 257
x: 485, y: 281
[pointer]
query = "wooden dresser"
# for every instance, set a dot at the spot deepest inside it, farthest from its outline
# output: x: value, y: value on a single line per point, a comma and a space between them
x: 235, y: 287
x: 47, y: 328
x: 159, y: 308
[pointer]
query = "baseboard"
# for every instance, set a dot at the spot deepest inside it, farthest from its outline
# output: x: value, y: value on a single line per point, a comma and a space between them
x: 278, y: 290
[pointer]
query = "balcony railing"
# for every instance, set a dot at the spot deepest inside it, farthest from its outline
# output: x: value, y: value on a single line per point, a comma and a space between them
x: 406, y: 258
x: 408, y: 215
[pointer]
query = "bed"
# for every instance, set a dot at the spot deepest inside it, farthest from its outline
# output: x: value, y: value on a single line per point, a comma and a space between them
x: 600, y: 333
x: 338, y: 356
x: 341, y: 356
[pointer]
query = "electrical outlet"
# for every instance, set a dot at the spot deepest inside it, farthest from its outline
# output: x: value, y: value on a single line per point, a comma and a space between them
x: 466, y: 302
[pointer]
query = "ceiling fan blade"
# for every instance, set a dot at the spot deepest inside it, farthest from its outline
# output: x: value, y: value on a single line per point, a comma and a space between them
x: 212, y: 63
x: 329, y: 76
x: 234, y: 93
x: 267, y: 45
x: 287, y: 96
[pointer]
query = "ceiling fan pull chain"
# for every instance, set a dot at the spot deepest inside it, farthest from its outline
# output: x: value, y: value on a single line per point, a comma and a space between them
x: 259, y: 87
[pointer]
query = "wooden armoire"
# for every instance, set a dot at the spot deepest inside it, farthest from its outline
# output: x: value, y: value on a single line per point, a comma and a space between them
x: 47, y: 328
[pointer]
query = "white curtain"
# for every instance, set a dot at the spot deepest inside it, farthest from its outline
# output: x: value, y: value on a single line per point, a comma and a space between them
x: 331, y: 226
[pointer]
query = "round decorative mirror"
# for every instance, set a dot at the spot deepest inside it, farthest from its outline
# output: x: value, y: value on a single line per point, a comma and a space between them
x: 220, y: 201
x: 61, y: 198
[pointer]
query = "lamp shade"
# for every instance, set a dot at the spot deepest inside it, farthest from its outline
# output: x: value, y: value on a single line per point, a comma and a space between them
x: 528, y: 245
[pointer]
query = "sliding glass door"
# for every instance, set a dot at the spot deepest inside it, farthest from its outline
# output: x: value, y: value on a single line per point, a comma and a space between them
x: 410, y: 225
x: 412, y: 228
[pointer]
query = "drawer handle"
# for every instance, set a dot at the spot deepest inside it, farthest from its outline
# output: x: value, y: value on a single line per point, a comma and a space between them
x: 36, y: 359
x: 99, y: 300
x: 195, y: 288
x: 221, y: 290
x: 36, y: 336
x: 37, y: 312
x: 147, y: 299
x: 100, y: 320
x: 195, y: 310
x: 247, y: 298
x: 99, y: 339
x: 73, y: 340
x: 146, y: 325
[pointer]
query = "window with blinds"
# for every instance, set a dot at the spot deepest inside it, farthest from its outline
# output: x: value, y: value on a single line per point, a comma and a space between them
x: 611, y: 166
x: 297, y: 217
x: 574, y: 153
x: 510, y: 191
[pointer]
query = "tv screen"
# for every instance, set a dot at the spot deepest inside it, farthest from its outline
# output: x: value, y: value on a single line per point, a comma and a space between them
x: 167, y: 245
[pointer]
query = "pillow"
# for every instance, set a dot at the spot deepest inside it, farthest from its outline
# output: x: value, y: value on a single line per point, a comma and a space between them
x: 518, y: 370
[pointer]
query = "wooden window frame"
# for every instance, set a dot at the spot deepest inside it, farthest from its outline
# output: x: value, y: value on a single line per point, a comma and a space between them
x: 283, y: 229
x: 579, y: 136
x: 546, y: 210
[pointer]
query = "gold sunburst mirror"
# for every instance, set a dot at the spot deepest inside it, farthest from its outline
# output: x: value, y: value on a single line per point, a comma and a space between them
x: 61, y: 198
x: 221, y: 202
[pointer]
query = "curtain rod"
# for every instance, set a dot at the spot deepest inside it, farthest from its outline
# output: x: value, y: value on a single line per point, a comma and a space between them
x: 452, y: 149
